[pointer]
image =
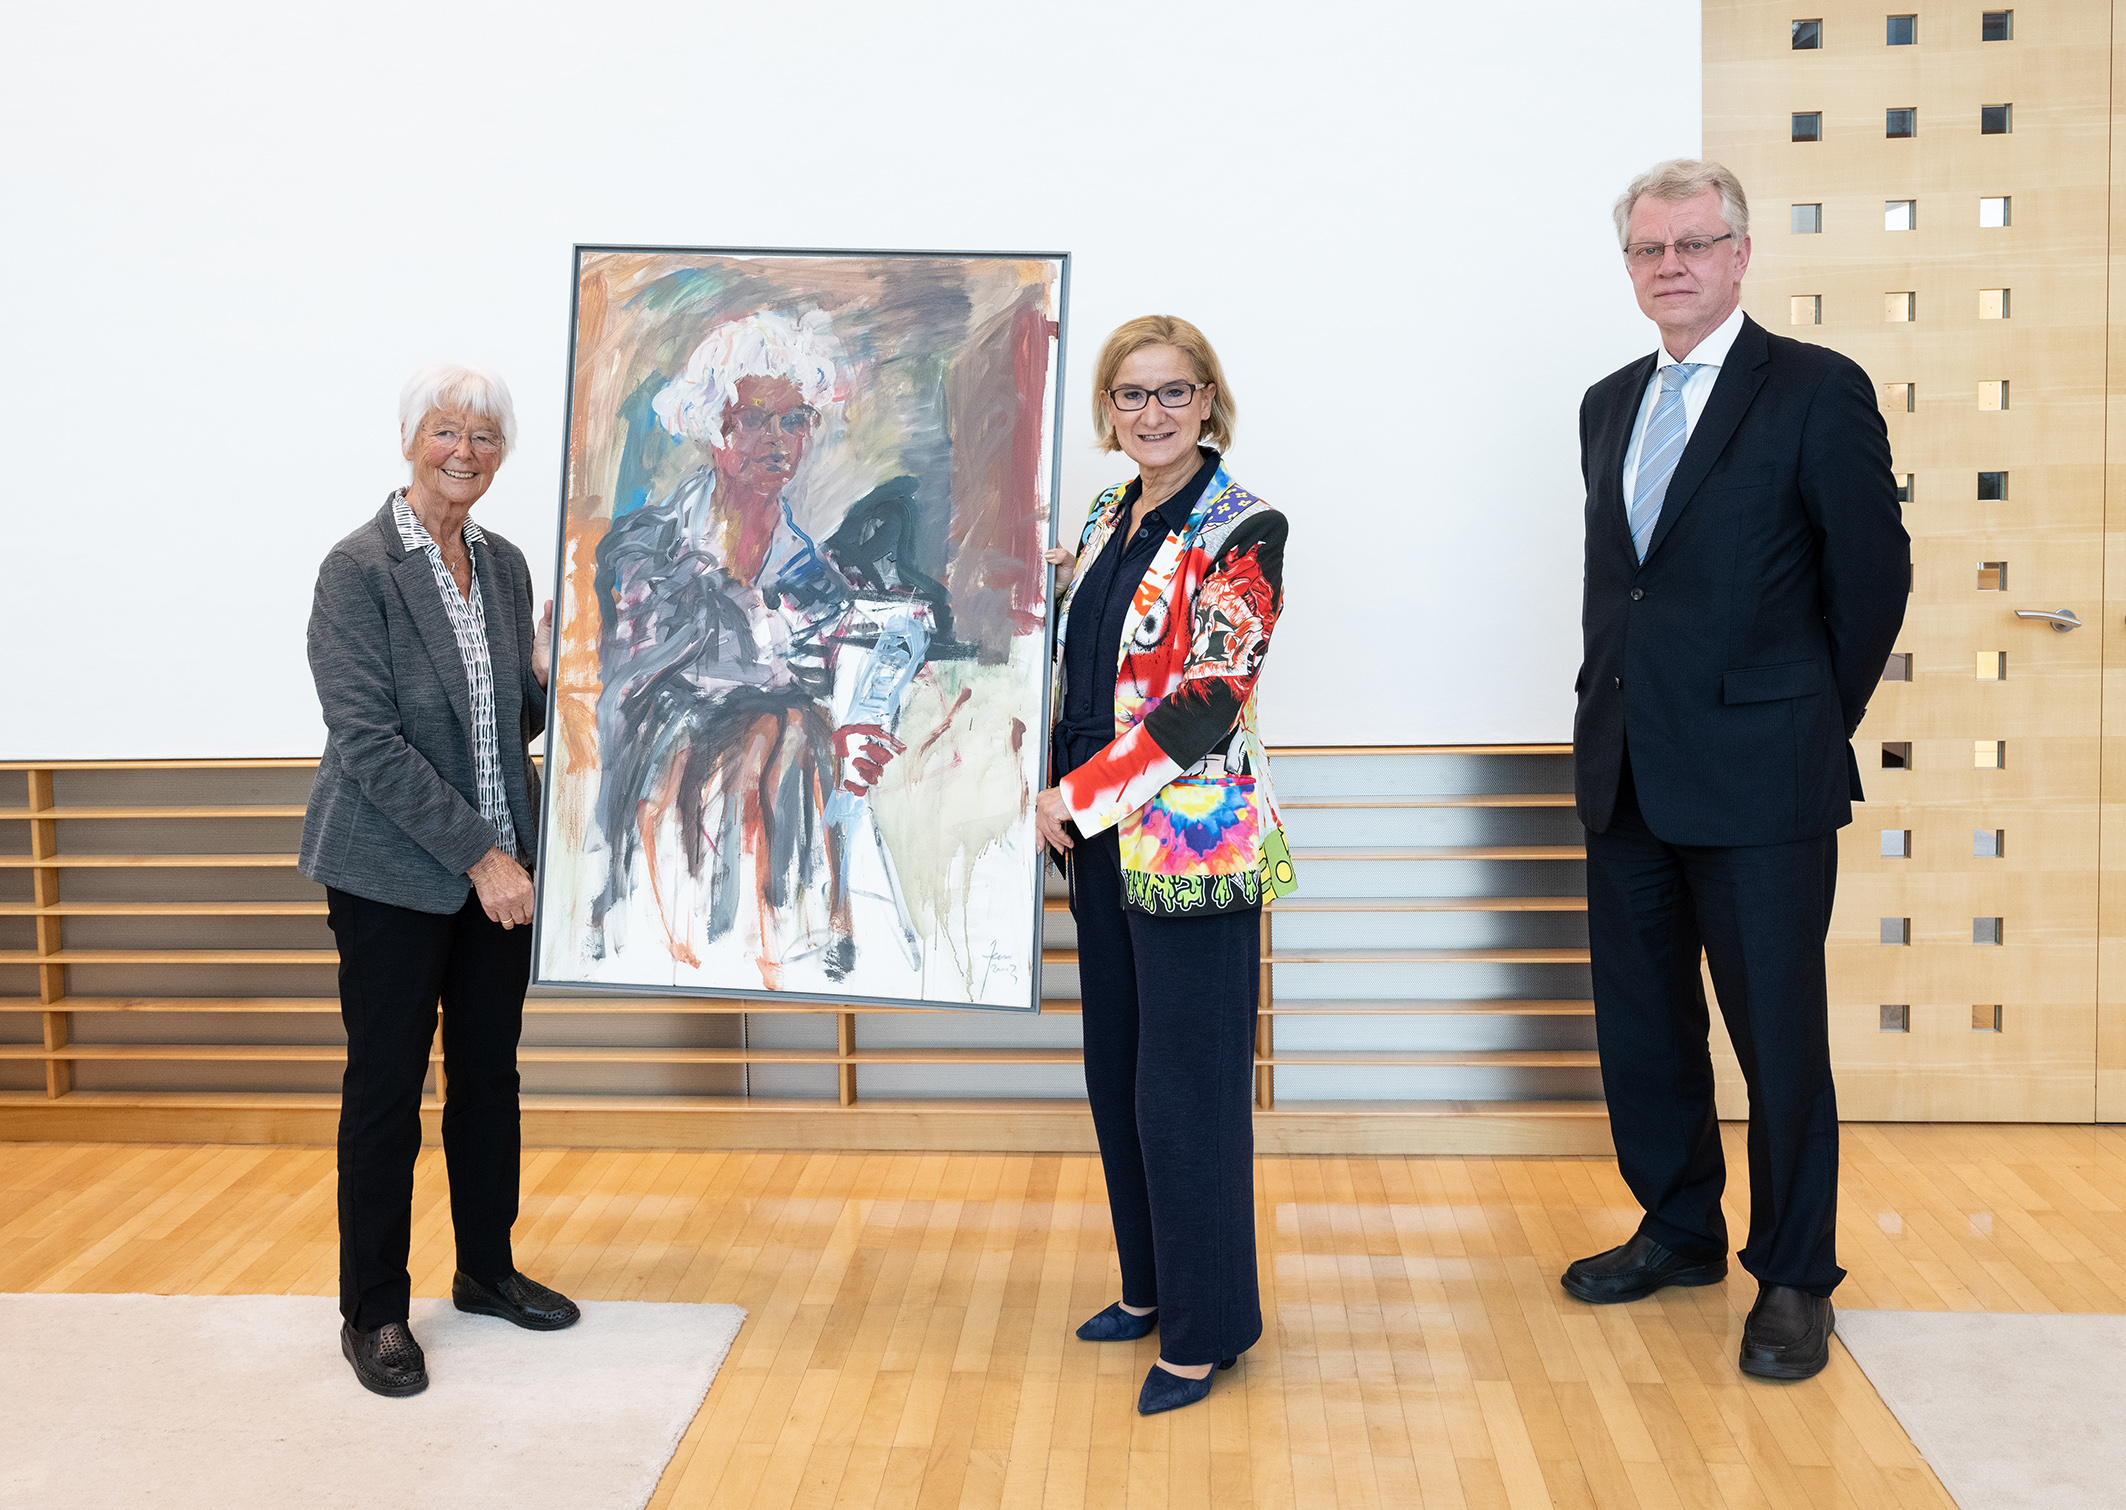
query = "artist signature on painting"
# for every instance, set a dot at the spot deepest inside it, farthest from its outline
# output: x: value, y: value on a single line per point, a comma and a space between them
x: 1004, y: 965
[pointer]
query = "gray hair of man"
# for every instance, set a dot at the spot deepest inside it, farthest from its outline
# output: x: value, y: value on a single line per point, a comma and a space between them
x: 770, y: 344
x: 445, y: 385
x: 1682, y: 178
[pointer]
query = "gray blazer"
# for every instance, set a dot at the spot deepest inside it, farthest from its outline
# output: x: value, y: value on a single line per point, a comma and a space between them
x: 395, y: 814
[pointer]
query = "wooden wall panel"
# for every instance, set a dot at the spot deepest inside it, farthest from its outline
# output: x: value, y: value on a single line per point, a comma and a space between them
x: 2051, y: 529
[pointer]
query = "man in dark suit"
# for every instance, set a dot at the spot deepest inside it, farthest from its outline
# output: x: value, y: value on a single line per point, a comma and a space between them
x: 1747, y: 572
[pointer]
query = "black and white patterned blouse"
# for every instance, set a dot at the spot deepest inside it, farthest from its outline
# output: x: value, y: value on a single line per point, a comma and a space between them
x: 468, y: 621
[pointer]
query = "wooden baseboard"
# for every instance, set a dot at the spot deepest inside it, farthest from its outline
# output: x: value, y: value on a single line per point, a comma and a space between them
x: 1020, y: 1126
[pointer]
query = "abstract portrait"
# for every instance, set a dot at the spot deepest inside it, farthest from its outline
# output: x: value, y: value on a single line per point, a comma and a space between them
x: 801, y: 624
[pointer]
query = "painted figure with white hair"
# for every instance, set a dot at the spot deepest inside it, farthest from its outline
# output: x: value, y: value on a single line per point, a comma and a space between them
x: 731, y: 775
x: 422, y: 824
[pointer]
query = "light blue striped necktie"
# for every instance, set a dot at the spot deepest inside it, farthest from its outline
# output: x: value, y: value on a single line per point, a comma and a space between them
x: 1659, y: 452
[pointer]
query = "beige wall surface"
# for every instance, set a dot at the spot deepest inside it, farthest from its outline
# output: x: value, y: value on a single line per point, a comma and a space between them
x: 2055, y: 167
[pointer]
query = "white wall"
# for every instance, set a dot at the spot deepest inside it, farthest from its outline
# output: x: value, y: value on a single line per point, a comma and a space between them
x: 233, y: 230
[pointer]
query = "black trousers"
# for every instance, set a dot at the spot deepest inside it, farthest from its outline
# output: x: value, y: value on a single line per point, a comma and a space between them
x: 1170, y: 1068
x: 395, y: 964
x: 1760, y: 915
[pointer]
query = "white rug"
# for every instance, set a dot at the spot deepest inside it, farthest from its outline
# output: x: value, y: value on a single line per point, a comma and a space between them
x: 2010, y: 1411
x: 242, y: 1401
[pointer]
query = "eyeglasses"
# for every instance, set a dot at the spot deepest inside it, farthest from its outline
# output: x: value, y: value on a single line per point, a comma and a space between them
x: 1170, y: 395
x: 789, y: 421
x: 1690, y: 249
x: 482, y: 442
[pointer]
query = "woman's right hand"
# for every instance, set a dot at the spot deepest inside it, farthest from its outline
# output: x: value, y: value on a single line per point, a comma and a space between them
x: 1065, y: 561
x: 504, y: 886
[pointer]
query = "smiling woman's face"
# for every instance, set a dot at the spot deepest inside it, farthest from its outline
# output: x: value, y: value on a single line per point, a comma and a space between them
x: 1155, y: 437
x: 455, y: 455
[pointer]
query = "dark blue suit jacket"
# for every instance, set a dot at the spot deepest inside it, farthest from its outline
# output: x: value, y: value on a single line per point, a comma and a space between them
x: 1737, y: 660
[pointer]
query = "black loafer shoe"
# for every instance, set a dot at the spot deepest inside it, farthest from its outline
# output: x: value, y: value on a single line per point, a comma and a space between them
x: 1788, y: 1334
x: 1117, y: 1325
x: 1166, y: 1390
x: 387, y: 1361
x: 1635, y: 1271
x: 514, y: 1298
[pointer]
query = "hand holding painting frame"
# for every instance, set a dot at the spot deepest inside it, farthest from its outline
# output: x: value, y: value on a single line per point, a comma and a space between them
x: 801, y: 650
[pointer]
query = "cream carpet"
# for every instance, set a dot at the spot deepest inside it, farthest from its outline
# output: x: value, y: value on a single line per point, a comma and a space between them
x: 2010, y: 1411
x: 243, y: 1401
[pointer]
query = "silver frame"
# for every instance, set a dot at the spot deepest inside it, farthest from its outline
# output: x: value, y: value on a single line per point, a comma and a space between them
x: 1055, y: 492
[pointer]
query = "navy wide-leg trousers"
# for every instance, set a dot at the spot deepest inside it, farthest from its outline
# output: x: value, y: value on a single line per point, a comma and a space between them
x: 1169, y: 1065
x: 1759, y: 914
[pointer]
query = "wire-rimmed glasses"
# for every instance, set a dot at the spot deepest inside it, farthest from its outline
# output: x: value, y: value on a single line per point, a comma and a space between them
x: 1692, y: 249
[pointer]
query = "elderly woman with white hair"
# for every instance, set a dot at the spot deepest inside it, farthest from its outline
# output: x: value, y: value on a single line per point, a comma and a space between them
x: 423, y: 819
x: 722, y: 624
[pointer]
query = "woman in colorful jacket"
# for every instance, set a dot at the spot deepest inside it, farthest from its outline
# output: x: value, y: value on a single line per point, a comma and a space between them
x: 1164, y: 810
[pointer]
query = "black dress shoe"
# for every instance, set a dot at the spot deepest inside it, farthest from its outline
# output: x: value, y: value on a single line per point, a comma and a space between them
x: 1788, y: 1334
x: 387, y: 1361
x: 1166, y: 1390
x: 1117, y: 1325
x: 1635, y: 1271
x: 514, y: 1298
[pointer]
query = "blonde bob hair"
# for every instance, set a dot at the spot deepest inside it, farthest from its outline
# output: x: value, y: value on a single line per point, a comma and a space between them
x: 1162, y: 330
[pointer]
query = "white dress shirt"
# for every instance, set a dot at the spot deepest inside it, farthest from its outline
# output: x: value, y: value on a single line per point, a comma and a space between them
x: 1710, y: 352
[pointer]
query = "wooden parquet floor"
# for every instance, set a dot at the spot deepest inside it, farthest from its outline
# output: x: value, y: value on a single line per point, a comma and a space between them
x: 909, y: 1340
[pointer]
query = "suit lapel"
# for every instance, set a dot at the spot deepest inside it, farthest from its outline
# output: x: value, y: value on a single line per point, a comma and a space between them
x: 1741, y: 375
x: 416, y: 582
x: 1610, y: 449
x: 502, y: 608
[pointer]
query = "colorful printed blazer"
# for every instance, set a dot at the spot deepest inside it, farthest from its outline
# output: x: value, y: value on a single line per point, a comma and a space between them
x: 1185, y: 777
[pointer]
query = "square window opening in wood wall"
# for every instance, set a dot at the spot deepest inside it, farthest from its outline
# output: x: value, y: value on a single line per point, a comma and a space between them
x: 1900, y: 214
x: 1989, y: 754
x: 1807, y: 219
x: 1992, y: 665
x: 1992, y: 487
x: 1902, y: 31
x: 1804, y: 309
x: 1897, y: 930
x: 1808, y: 126
x: 1989, y: 932
x: 1902, y: 121
x: 1993, y: 304
x: 1995, y: 26
x: 1992, y: 576
x: 1986, y: 1019
x: 1996, y: 120
x: 1897, y: 754
x: 1899, y: 667
x: 1900, y: 398
x: 1900, y: 308
x: 1994, y: 212
x: 1993, y: 395
x: 1989, y: 844
x: 1897, y: 1019
x: 1897, y: 844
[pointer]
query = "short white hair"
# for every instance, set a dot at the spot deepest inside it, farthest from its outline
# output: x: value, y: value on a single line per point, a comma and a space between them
x: 801, y: 348
x: 1682, y: 178
x: 445, y: 385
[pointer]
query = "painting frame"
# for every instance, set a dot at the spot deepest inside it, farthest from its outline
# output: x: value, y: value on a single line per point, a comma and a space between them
x: 1049, y: 499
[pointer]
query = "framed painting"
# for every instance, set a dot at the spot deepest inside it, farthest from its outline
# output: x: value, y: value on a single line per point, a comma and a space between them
x: 801, y: 645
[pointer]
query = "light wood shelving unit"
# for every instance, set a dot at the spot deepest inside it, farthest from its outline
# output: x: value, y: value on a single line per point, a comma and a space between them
x: 848, y: 1117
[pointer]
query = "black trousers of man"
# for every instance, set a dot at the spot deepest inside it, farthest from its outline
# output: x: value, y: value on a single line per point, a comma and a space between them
x: 1760, y: 914
x: 395, y: 964
x: 1169, y: 1031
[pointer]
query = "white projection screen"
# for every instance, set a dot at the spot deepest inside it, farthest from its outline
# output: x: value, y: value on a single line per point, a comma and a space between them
x: 236, y: 229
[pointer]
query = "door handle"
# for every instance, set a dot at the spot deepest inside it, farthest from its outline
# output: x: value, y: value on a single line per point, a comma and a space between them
x: 2061, y: 622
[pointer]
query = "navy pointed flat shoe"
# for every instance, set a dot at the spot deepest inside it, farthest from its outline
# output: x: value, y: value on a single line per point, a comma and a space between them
x: 1166, y: 1390
x: 1117, y: 1325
